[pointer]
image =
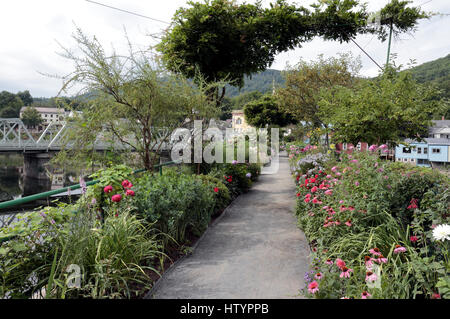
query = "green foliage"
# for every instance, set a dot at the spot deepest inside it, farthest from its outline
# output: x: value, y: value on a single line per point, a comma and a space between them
x: 222, y: 197
x: 258, y: 84
x: 387, y: 109
x: 31, y: 117
x: 10, y: 105
x: 368, y: 206
x: 175, y: 203
x: 225, y: 41
x: 26, y: 97
x: 266, y: 112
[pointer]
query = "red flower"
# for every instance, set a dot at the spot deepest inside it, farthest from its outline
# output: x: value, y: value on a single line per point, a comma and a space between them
x: 129, y: 192
x: 298, y: 194
x: 116, y: 198
x: 229, y: 180
x: 413, y: 239
x: 108, y: 189
x: 216, y: 189
x: 127, y: 184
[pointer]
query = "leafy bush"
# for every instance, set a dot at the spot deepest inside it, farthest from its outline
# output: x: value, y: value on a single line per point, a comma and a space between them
x: 174, y: 203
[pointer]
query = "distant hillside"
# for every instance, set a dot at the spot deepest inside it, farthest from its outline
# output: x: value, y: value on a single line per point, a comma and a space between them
x: 261, y: 82
x: 437, y: 71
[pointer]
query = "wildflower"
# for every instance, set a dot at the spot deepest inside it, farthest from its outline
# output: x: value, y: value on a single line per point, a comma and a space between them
x: 345, y: 272
x: 370, y: 276
x: 298, y: 194
x: 354, y: 161
x: 316, y: 201
x: 314, y: 189
x: 248, y: 175
x: 435, y: 296
x: 313, y: 287
x: 442, y: 232
x: 329, y: 192
x: 375, y: 251
x: 318, y: 276
x: 365, y: 295
x: 341, y: 201
x: 413, y: 239
x: 348, y: 223
x: 116, y: 198
x: 399, y: 249
x: 382, y: 259
x: 108, y: 189
x: 307, y: 200
x: 93, y: 201
x: 356, y: 183
x: 130, y: 192
x: 83, y: 186
x: 334, y: 169
x: 383, y: 146
x: 52, y: 221
x: 368, y: 262
x: 329, y: 176
x: 329, y: 262
x: 337, y: 223
x: 216, y: 190
x: 234, y: 162
x: 412, y: 204
x: 340, y: 263
x: 373, y: 148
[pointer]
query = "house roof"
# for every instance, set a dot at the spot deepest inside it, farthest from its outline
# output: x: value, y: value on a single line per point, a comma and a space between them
x: 431, y: 141
x: 44, y: 109
x: 440, y: 123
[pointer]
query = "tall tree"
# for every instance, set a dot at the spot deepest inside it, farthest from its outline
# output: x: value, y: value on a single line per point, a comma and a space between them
x: 225, y: 41
x: 31, y: 117
x: 389, y: 108
x: 137, y: 103
x: 304, y: 81
x: 266, y: 112
x: 10, y: 104
x: 26, y: 97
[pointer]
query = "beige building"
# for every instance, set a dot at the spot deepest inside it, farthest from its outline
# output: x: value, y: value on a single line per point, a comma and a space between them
x: 48, y: 114
x: 238, y: 121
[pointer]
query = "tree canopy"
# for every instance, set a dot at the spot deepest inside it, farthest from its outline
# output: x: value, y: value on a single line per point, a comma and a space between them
x: 31, y: 117
x: 389, y: 108
x: 266, y: 112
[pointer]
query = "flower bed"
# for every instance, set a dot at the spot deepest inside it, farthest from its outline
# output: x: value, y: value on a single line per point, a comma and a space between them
x: 377, y: 229
x: 119, y: 236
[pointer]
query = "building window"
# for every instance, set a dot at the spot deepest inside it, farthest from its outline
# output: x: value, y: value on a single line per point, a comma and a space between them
x: 435, y: 150
x: 238, y: 120
x: 425, y: 150
x: 358, y: 146
x: 422, y: 161
x: 406, y: 150
x: 411, y: 160
x: 419, y: 150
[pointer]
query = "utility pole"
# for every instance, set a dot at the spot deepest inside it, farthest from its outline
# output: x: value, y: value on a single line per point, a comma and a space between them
x: 389, y: 45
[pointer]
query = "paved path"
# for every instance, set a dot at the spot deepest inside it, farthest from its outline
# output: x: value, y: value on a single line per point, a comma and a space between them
x: 254, y: 251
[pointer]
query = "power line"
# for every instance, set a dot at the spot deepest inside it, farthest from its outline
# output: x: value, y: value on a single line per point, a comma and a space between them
x: 366, y: 54
x: 126, y: 11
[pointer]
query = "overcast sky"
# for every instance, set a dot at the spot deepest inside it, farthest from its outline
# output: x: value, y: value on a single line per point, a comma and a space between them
x: 31, y: 29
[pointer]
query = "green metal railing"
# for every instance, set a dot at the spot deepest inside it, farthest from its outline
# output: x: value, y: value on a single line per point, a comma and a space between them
x: 31, y: 198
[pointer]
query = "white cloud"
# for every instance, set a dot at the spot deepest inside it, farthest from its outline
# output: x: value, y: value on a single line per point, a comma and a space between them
x: 30, y: 30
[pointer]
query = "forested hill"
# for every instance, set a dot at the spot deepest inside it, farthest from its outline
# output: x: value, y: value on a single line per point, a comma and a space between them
x: 437, y: 71
x: 261, y: 82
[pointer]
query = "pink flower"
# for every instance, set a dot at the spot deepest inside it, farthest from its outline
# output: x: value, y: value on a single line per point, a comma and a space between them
x: 435, y: 296
x: 370, y: 276
x: 108, y: 189
x: 382, y: 259
x: 373, y: 148
x: 348, y: 223
x: 126, y: 184
x: 334, y: 169
x: 399, y: 249
x: 313, y: 287
x: 318, y: 276
x: 375, y: 251
x: 116, y: 198
x: 383, y: 146
x: 341, y: 201
x: 130, y: 192
x: 354, y: 161
x: 345, y: 272
x: 314, y: 189
x: 356, y: 183
x: 368, y: 262
x: 329, y: 176
x: 337, y: 223
x: 307, y: 199
x: 365, y: 295
x: 316, y: 201
x: 329, y: 262
x: 340, y: 263
x: 329, y: 192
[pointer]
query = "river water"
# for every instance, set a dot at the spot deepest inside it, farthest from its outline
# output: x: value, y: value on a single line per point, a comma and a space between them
x: 13, y: 184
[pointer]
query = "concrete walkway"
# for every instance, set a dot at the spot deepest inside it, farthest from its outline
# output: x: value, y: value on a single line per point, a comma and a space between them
x: 254, y: 251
